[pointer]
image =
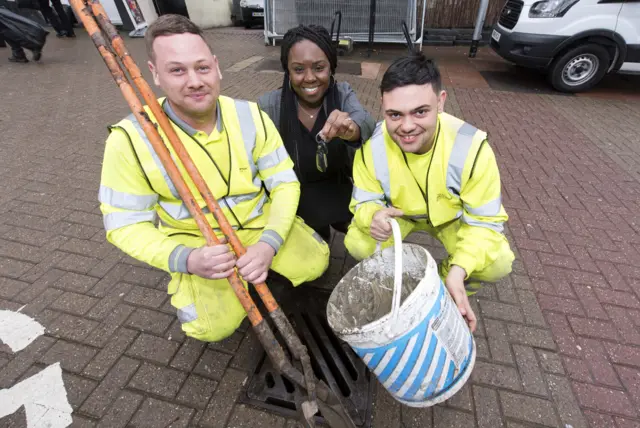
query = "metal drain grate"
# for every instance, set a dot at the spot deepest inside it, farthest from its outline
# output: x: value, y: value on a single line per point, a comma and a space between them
x: 332, y: 359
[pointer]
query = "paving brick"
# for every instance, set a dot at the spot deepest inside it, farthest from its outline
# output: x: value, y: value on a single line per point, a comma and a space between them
x: 243, y: 416
x: 109, y: 389
x: 10, y: 287
x: 72, y: 327
x: 105, y: 359
x: 188, y: 355
x: 248, y: 353
x: 109, y: 302
x: 412, y: 417
x: 627, y: 331
x: 81, y: 422
x: 143, y: 296
x: 144, y: 276
x: 77, y: 263
x: 161, y: 381
x: 73, y: 303
x: 221, y: 404
x: 102, y: 334
x: 501, y: 311
x: 497, y: 375
x: 121, y: 411
x: 487, y: 408
x: 212, y: 364
x: 536, y: 337
x: 627, y: 423
x: 529, y: 370
x: 566, y: 403
x: 603, y: 399
x: 623, y: 354
x: 530, y: 409
x: 150, y: 321
x: 561, y: 305
x: 154, y: 413
x: 153, y: 348
x: 597, y: 420
x: 596, y: 357
x: 531, y: 309
x: 73, y: 357
x: 446, y: 417
x: 196, y: 392
x: 630, y: 378
x: 499, y: 345
x: 230, y: 344
x: 562, y: 333
x: 13, y: 268
x: 72, y: 281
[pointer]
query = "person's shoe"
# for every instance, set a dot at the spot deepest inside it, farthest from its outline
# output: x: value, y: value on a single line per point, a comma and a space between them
x: 61, y: 34
x: 37, y: 55
x: 21, y: 59
x: 71, y: 35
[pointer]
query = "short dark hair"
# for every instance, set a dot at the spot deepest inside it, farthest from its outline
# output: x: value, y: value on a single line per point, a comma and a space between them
x: 413, y: 69
x: 167, y: 25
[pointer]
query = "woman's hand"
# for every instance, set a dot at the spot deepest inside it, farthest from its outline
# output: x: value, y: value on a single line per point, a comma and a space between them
x: 340, y: 125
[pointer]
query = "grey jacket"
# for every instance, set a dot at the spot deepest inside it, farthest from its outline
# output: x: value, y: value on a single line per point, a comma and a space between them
x: 270, y: 104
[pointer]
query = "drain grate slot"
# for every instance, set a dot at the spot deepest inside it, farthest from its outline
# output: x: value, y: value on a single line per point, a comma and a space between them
x: 332, y: 360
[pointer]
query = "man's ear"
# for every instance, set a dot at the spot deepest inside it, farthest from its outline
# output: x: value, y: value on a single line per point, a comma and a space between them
x: 215, y: 61
x: 154, y: 72
x: 442, y: 97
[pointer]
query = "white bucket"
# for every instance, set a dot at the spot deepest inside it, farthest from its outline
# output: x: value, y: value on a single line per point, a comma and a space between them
x: 404, y: 324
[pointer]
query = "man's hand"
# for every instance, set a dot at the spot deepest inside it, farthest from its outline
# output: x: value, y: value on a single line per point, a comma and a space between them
x: 340, y: 125
x: 215, y: 262
x: 455, y: 285
x: 380, y: 228
x: 254, y: 265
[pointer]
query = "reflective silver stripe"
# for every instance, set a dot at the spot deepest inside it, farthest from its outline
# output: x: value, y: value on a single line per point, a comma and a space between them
x: 178, y: 259
x: 490, y: 209
x: 126, y: 201
x: 461, y: 146
x: 361, y: 195
x: 248, y: 130
x: 188, y: 313
x: 272, y: 238
x: 272, y: 159
x: 498, y: 227
x: 121, y: 219
x: 286, y: 176
x: 181, y: 212
x: 156, y: 159
x: 318, y: 238
x: 177, y: 211
x: 257, y: 210
x: 379, y: 154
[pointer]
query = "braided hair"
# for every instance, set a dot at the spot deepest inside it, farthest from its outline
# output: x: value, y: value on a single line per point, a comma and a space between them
x: 289, y: 128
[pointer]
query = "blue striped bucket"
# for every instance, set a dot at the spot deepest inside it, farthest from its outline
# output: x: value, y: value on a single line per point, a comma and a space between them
x: 396, y: 314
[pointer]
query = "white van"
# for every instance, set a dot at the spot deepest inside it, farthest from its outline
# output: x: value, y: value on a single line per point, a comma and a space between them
x: 576, y: 42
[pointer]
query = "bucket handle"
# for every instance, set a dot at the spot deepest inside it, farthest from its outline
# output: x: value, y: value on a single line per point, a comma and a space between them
x: 397, y: 276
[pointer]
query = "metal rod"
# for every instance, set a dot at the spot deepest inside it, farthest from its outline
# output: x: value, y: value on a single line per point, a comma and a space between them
x: 477, y: 32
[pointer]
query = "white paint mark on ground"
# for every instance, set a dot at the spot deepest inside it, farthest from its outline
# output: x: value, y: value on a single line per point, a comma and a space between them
x: 18, y: 330
x: 44, y: 399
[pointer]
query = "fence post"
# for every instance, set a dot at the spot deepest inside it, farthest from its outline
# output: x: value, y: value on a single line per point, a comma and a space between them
x: 477, y: 32
x: 372, y: 26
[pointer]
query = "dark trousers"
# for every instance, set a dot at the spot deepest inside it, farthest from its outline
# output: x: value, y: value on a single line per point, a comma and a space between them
x: 58, y: 20
x: 325, y: 231
x: 16, y: 49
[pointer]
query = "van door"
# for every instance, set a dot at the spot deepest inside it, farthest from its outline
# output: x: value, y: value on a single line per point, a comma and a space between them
x: 628, y: 27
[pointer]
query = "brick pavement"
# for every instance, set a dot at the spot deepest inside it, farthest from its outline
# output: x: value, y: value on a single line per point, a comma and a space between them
x: 558, y: 341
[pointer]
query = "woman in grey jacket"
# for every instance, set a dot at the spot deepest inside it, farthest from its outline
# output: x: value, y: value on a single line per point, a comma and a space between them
x: 321, y: 123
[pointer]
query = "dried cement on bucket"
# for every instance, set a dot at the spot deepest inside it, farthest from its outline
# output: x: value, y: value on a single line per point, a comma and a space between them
x: 368, y: 293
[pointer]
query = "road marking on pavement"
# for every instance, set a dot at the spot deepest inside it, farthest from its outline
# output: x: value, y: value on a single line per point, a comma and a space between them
x: 43, y: 395
x: 18, y: 330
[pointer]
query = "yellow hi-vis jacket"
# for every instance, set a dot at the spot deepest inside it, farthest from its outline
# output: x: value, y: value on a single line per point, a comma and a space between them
x: 463, y: 182
x: 242, y: 157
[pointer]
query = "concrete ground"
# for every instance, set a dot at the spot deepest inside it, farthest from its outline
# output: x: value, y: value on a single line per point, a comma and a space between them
x: 558, y: 341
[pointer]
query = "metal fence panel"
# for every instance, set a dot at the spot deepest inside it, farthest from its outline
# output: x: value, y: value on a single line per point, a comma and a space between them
x: 281, y: 15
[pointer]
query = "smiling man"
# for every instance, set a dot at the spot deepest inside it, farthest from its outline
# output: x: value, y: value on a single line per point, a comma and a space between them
x: 240, y: 155
x: 433, y: 172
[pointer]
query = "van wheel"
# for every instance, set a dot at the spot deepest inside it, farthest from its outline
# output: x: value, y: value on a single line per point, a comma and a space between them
x: 579, y: 69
